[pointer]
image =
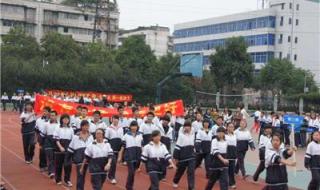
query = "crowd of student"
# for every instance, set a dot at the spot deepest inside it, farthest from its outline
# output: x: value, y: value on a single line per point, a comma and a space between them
x: 220, y: 140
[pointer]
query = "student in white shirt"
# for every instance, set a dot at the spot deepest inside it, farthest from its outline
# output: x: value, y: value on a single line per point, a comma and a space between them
x: 4, y: 101
x: 99, y: 156
x: 147, y: 127
x: 96, y: 123
x: 136, y: 117
x: 63, y: 136
x: 40, y: 125
x: 123, y: 121
x: 28, y: 119
x: 197, y: 124
x: 76, y: 149
x: 14, y: 102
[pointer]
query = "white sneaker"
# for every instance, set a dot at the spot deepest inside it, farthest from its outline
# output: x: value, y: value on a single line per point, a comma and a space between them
x: 113, y: 181
x: 68, y: 184
x: 175, y: 185
x: 59, y: 183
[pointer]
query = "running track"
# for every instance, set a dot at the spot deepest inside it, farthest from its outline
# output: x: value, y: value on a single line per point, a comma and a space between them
x: 18, y: 176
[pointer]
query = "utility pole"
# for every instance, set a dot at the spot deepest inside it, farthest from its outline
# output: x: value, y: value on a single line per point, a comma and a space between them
x: 95, y: 22
x: 108, y: 24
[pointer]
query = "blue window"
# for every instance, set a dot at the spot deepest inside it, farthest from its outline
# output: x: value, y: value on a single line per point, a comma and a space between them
x: 261, y: 22
x: 261, y: 57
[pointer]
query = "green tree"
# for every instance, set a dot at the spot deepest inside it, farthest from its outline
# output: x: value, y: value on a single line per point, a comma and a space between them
x: 231, y: 66
x: 282, y: 77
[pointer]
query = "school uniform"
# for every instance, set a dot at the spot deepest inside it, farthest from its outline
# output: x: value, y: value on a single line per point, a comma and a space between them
x: 75, y: 122
x: 14, y: 102
x: 132, y: 155
x: 244, y: 140
x: 93, y: 126
x: 196, y: 126
x: 63, y: 135
x: 314, y: 124
x: 214, y: 129
x: 49, y: 144
x: 76, y: 150
x: 114, y: 136
x: 4, y: 101
x: 97, y: 155
x: 263, y: 143
x: 178, y: 124
x: 219, y: 171
x: 40, y: 125
x: 276, y: 176
x: 137, y: 119
x: 231, y: 156
x: 184, y: 153
x: 20, y: 103
x: 28, y: 134
x: 155, y: 158
x: 312, y: 162
x: 146, y: 129
x: 124, y: 124
x: 166, y: 135
x: 203, y: 148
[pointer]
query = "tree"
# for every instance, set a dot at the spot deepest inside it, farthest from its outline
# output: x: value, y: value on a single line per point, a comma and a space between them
x: 282, y: 77
x: 231, y: 66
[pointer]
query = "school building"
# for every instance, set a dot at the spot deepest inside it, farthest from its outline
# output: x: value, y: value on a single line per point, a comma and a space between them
x: 284, y: 29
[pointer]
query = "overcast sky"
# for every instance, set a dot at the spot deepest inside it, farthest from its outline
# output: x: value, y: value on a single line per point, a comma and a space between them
x: 134, y: 13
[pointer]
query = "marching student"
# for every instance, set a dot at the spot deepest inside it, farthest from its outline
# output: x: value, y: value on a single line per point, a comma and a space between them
x: 114, y: 135
x: 156, y: 156
x: 312, y: 161
x: 136, y: 117
x: 218, y: 124
x: 14, y: 102
x: 131, y: 151
x: 75, y: 120
x: 4, y: 101
x: 40, y: 125
x: 166, y: 136
x: 63, y: 136
x: 155, y: 119
x: 313, y: 122
x: 244, y: 139
x: 219, y: 165
x: 123, y: 122
x: 197, y: 124
x: 203, y: 146
x: 96, y: 123
x: 28, y: 120
x: 99, y: 156
x: 49, y: 144
x: 166, y: 132
x: 147, y: 127
x: 76, y: 150
x: 276, y: 162
x: 264, y: 140
x: 184, y: 156
x: 231, y: 153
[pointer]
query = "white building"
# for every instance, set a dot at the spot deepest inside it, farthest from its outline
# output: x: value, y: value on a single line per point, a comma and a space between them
x: 38, y: 18
x: 157, y: 37
x: 286, y: 29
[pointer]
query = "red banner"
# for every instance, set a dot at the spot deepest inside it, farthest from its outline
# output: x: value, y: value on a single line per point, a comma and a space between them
x: 110, y: 97
x: 176, y: 107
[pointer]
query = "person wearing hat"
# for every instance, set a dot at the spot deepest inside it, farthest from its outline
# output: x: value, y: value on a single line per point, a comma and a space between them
x: 219, y: 164
x: 184, y: 155
x: 203, y: 145
x: 264, y: 140
x: 131, y: 150
x: 156, y: 156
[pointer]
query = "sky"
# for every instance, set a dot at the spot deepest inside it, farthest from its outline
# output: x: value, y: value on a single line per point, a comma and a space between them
x: 134, y: 13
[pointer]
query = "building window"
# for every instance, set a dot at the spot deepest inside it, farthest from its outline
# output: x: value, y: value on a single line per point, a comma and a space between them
x: 295, y: 57
x: 280, y: 55
x: 282, y: 6
x: 280, y: 39
x: 65, y: 29
x: 297, y: 22
x: 289, y: 38
x: 290, y: 21
x: 288, y: 56
x: 86, y: 17
x: 297, y: 7
x: 290, y: 5
x: 281, y: 21
x: 296, y: 40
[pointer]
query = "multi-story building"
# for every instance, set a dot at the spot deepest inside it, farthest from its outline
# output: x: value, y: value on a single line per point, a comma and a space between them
x: 157, y: 37
x: 286, y: 29
x: 39, y: 18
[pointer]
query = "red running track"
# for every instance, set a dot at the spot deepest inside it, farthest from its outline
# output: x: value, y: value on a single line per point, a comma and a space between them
x: 19, y: 176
